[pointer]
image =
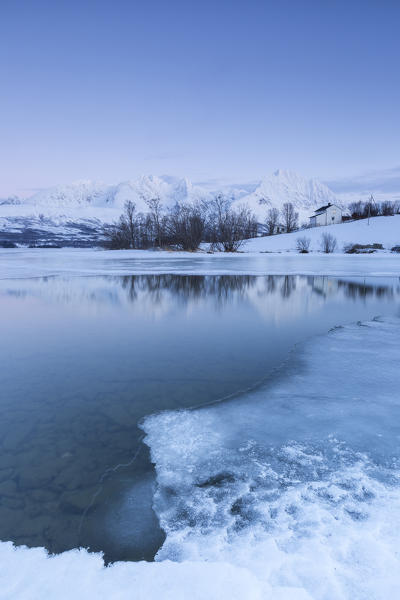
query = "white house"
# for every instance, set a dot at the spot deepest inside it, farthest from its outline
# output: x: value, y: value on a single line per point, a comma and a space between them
x: 326, y: 215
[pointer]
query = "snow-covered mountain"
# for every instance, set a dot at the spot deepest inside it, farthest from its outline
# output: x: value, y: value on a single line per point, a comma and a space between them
x: 286, y: 186
x: 77, y: 211
x: 101, y: 196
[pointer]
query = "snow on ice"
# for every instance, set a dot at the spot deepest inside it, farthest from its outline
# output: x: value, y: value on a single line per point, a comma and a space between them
x: 298, y: 481
x: 24, y: 262
x: 289, y: 492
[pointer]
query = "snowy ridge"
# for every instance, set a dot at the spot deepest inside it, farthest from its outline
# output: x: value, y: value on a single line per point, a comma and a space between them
x: 92, y: 203
x: 282, y: 186
x: 78, y: 211
x: 286, y: 186
x: 99, y: 195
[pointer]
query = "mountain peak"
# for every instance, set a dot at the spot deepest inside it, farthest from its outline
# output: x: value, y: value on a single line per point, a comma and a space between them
x: 288, y: 186
x: 106, y: 202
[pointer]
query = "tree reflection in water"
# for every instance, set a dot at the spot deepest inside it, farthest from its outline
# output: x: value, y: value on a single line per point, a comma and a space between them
x: 230, y: 288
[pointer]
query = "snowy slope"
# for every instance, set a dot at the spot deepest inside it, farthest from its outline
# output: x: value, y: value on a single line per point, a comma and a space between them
x: 381, y: 230
x: 286, y: 186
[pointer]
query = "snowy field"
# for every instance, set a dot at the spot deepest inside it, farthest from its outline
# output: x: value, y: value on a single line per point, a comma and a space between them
x: 279, y: 495
x: 380, y: 230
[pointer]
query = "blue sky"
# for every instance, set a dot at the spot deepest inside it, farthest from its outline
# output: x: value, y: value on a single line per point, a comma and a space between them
x: 208, y: 90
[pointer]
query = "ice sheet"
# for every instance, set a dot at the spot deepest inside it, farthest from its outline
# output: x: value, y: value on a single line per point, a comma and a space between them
x: 23, y: 263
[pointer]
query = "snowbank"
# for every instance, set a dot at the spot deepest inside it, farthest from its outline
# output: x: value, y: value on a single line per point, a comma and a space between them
x: 30, y: 574
x: 381, y: 230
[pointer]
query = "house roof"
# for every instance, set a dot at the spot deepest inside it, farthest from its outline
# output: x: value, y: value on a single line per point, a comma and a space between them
x: 324, y: 208
x: 317, y: 210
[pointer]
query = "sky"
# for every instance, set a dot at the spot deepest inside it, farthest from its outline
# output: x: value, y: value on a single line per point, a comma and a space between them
x: 211, y: 90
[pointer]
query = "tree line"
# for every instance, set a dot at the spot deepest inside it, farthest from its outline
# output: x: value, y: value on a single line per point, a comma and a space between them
x: 184, y: 226
x: 285, y: 220
x: 370, y: 208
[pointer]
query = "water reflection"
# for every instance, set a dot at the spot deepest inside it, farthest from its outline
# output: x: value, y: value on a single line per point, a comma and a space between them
x: 84, y: 359
x: 327, y: 286
x: 219, y: 289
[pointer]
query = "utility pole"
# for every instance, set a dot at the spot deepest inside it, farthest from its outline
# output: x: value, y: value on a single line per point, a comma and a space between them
x: 371, y: 200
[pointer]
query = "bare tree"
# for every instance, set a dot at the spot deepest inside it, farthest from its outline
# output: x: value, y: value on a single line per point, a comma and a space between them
x: 356, y: 209
x: 123, y: 233
x: 156, y: 214
x: 303, y: 245
x: 289, y: 217
x: 127, y: 222
x: 114, y: 237
x: 328, y: 243
x: 388, y: 208
x: 228, y: 227
x: 185, y: 226
x: 272, y: 220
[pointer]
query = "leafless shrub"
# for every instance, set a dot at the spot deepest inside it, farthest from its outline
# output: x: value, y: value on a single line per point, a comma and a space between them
x: 303, y: 245
x: 362, y: 248
x: 328, y: 243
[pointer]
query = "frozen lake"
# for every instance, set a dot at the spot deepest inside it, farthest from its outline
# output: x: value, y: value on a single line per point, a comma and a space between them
x: 23, y: 262
x: 84, y: 361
